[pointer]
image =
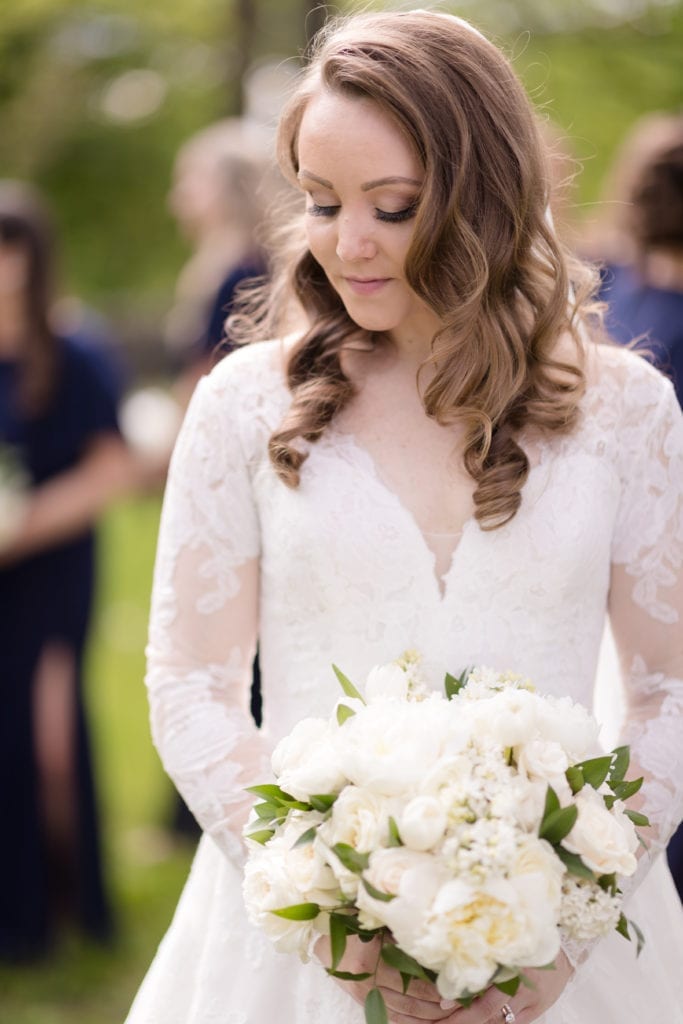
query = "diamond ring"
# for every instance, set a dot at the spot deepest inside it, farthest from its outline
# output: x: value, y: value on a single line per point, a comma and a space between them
x: 508, y: 1015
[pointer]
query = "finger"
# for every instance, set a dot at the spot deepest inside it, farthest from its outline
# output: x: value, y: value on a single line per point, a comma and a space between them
x: 408, y: 1006
x: 388, y: 977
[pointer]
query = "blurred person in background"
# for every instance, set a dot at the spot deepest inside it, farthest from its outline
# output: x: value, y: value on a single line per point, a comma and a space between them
x: 62, y: 461
x: 218, y: 197
x: 642, y: 245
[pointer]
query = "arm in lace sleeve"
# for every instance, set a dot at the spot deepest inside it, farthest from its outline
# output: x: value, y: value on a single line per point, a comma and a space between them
x: 204, y: 618
x: 646, y: 604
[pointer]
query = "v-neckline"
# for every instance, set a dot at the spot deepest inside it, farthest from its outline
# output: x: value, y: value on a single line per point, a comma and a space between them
x: 441, y: 582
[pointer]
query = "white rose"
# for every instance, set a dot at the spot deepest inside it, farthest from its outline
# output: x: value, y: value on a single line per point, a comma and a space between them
x: 266, y: 887
x: 571, y: 725
x: 412, y: 877
x: 535, y: 857
x: 305, y: 761
x: 605, y: 840
x: 386, y: 681
x: 542, y: 759
x: 422, y: 823
x: 359, y: 818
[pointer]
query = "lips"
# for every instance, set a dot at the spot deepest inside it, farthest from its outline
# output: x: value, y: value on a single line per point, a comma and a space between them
x: 366, y: 285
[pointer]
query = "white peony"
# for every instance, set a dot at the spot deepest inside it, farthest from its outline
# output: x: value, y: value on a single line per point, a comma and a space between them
x: 386, y: 681
x: 509, y: 718
x: 389, y: 745
x: 605, y: 840
x: 305, y: 761
x: 422, y: 823
x: 571, y: 725
x: 473, y: 930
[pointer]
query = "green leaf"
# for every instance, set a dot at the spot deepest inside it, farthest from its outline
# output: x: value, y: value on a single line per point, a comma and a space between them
x: 338, y: 935
x: 306, y: 837
x: 395, y: 957
x: 375, y: 1008
x: 608, y: 883
x: 558, y: 824
x: 377, y: 894
x: 622, y: 927
x: 348, y: 975
x: 637, y: 818
x: 406, y: 979
x: 351, y: 925
x: 596, y: 769
x: 298, y: 912
x: 262, y: 835
x: 640, y: 938
x: 574, y: 864
x: 622, y: 758
x: 271, y: 793
x: 350, y: 858
x: 267, y: 811
x: 453, y: 685
x: 347, y: 686
x: 509, y: 987
x: 322, y: 801
x: 344, y: 713
x: 624, y: 790
x: 552, y: 803
x: 394, y: 835
x: 575, y: 778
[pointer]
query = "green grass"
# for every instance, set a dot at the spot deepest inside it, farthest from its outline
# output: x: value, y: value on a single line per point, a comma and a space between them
x: 83, y: 983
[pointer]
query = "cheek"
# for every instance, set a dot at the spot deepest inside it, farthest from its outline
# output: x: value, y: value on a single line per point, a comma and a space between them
x: 321, y: 238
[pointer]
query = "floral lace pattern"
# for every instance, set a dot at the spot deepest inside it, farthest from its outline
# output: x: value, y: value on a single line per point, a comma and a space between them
x: 338, y: 570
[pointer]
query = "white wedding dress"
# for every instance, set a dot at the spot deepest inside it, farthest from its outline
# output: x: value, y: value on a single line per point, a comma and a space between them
x: 338, y: 571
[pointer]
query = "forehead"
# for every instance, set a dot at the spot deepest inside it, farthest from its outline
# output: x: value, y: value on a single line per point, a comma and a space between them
x: 349, y: 131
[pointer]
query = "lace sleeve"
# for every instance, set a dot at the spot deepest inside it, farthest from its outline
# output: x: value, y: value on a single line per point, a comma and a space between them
x: 204, y: 619
x: 646, y: 601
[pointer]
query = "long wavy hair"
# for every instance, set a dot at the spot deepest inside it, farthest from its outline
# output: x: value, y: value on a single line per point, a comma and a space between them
x: 483, y: 256
x: 26, y: 224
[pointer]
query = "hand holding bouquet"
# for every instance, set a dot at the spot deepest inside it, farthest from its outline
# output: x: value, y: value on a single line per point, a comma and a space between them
x: 469, y: 832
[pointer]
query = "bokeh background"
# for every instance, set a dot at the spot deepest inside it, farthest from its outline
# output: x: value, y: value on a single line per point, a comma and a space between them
x: 95, y: 99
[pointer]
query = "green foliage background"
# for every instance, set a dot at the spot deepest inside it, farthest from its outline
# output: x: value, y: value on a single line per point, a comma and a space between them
x: 107, y: 182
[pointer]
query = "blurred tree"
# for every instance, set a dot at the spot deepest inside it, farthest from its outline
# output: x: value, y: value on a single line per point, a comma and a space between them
x: 97, y: 95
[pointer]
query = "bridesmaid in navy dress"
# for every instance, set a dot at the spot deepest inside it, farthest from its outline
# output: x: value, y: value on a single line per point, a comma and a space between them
x: 58, y: 401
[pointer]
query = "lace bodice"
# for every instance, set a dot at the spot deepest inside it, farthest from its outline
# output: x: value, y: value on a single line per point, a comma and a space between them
x: 337, y: 570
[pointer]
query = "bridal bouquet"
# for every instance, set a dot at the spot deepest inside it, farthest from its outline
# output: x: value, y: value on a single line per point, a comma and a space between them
x: 14, y: 485
x: 468, y: 832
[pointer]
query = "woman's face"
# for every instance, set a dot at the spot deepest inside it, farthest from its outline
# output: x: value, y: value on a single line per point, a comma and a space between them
x: 362, y: 181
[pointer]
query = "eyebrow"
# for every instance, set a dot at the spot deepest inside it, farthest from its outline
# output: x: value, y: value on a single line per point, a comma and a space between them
x: 395, y: 179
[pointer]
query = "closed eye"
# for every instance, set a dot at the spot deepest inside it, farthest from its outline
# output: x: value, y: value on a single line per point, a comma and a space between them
x: 388, y: 217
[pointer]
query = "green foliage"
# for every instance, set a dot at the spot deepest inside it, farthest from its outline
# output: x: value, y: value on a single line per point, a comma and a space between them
x: 347, y: 686
x: 454, y: 684
x: 375, y: 1008
x: 298, y: 912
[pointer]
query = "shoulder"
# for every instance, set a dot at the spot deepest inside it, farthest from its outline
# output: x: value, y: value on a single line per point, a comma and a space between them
x: 624, y: 380
x: 246, y: 392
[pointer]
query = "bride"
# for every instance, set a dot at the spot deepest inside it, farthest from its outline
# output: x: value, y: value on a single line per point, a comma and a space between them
x: 445, y: 458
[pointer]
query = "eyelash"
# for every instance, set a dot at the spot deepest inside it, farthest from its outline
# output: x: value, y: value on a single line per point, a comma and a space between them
x: 388, y: 218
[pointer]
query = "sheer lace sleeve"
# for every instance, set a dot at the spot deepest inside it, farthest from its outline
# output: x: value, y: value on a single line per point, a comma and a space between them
x: 646, y: 598
x: 204, y: 618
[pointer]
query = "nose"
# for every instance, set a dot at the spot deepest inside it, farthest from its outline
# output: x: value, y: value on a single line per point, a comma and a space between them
x: 354, y: 239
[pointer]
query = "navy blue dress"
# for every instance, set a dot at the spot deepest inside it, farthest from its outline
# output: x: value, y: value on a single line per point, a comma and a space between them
x: 44, y: 598
x: 636, y: 309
